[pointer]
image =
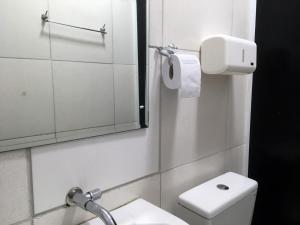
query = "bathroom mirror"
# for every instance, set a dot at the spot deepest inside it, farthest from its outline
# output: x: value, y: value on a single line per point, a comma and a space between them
x: 71, y: 69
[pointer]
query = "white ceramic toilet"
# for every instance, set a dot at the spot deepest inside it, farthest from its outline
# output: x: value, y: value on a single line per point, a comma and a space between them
x: 225, y: 200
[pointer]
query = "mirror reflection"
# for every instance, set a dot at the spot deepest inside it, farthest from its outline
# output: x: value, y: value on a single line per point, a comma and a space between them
x: 70, y: 69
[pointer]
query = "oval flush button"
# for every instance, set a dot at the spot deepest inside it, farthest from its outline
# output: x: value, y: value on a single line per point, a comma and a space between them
x: 223, y: 187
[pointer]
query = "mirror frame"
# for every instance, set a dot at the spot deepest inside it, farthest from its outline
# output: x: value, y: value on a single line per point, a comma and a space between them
x: 142, y: 61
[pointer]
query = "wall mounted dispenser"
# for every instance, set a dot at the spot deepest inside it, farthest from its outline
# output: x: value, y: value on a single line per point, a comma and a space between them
x: 226, y: 55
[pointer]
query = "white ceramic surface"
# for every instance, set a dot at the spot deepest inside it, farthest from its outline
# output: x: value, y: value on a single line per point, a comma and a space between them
x: 193, y: 128
x: 208, y: 200
x: 140, y: 212
x: 180, y: 179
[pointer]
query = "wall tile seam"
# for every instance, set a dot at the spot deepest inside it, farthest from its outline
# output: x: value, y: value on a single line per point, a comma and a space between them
x: 34, y: 216
x: 229, y: 102
x: 67, y: 60
x: 229, y: 112
x: 160, y: 105
x: 232, y: 16
x: 30, y: 180
x: 25, y: 58
x: 29, y: 220
x: 30, y: 183
x: 108, y: 190
x: 202, y: 158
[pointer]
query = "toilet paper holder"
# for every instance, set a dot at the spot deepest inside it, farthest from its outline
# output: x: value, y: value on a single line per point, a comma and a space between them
x: 166, y: 51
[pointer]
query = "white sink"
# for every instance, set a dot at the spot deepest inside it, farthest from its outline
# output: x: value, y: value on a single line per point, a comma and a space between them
x: 140, y: 212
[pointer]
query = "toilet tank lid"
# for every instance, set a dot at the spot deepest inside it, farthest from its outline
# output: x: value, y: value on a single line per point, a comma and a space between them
x: 214, y: 196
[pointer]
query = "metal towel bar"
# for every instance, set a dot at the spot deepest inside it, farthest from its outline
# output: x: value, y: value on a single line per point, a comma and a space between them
x: 45, y: 18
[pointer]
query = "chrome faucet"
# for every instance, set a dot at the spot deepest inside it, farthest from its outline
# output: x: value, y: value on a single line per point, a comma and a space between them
x: 86, y: 201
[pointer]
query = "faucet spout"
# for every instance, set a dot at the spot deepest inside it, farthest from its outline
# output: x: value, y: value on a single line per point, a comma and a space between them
x: 102, y: 213
x: 86, y: 201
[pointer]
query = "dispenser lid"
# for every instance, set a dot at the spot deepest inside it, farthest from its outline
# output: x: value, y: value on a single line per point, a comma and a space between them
x: 214, y: 196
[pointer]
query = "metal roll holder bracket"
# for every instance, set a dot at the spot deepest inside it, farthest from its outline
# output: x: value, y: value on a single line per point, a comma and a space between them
x: 166, y: 51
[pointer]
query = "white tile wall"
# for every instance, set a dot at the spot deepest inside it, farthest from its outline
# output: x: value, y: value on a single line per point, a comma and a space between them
x: 83, y: 100
x: 103, y: 162
x: 32, y: 94
x: 79, y: 45
x: 194, y: 127
x: 125, y: 32
x: 147, y: 188
x: 239, y: 108
x: 22, y: 32
x: 126, y: 94
x: 220, y: 119
x: 187, y: 22
x: 156, y: 22
x: 25, y: 223
x: 15, y: 201
x: 244, y: 17
x: 236, y: 160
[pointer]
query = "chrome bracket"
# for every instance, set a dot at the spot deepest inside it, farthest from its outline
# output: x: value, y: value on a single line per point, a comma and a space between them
x: 90, y: 195
x: 166, y: 51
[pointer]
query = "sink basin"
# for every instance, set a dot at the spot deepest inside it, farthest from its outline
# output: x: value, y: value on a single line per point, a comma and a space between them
x: 140, y: 212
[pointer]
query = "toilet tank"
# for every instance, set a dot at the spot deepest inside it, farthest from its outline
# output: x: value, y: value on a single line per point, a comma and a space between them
x: 225, y: 200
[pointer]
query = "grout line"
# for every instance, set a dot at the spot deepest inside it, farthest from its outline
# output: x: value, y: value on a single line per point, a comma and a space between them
x: 65, y: 60
x: 100, y: 63
x: 113, y: 65
x: 28, y: 58
x: 162, y: 20
x: 160, y: 128
x: 202, y: 158
x: 132, y: 181
x: 30, y: 180
x: 87, y: 128
x: 23, y: 221
x: 160, y: 104
x: 49, y: 211
x: 107, y: 190
x: 160, y: 190
x: 36, y: 135
x: 232, y: 16
x: 52, y: 76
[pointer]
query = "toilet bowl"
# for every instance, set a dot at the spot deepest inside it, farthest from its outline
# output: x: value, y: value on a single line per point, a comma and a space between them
x: 225, y: 200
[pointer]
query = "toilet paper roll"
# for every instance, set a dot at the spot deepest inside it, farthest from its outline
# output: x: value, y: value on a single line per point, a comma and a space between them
x: 183, y: 72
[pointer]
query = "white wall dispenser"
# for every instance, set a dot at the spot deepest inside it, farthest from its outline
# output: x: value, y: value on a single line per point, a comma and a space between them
x: 227, y: 55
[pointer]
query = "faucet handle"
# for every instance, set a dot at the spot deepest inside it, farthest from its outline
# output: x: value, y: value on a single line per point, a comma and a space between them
x: 94, y: 194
